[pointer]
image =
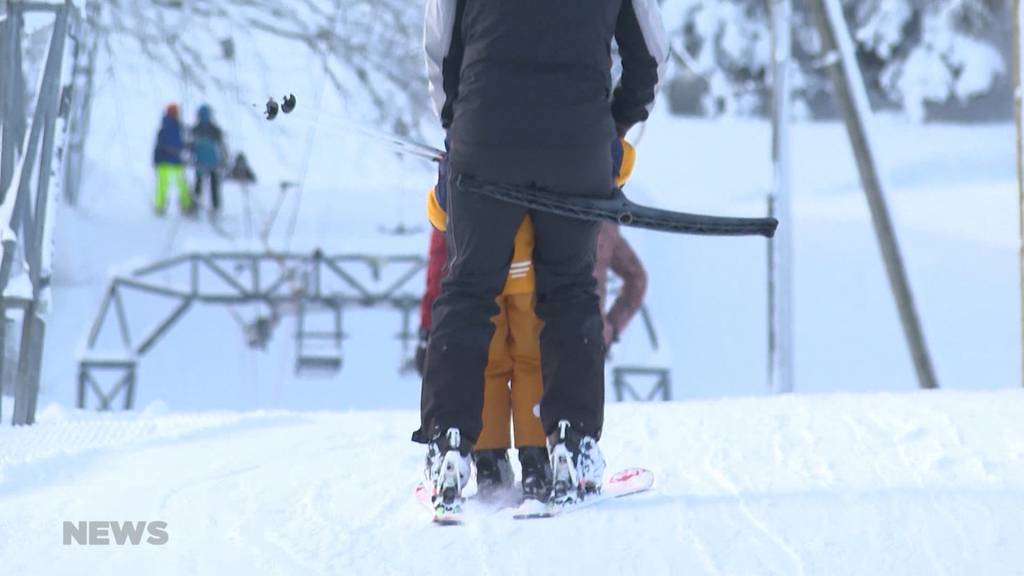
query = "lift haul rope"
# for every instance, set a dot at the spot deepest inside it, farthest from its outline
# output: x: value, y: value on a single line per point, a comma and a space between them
x: 615, y: 208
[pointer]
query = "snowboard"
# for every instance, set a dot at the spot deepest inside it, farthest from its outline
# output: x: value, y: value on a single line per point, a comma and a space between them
x: 623, y: 483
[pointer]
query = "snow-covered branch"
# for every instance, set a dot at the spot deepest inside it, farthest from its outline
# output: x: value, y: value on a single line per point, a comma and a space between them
x: 913, y: 53
x: 370, y: 47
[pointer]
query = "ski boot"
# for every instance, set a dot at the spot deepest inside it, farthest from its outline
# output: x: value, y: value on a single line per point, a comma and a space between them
x: 447, y: 473
x: 577, y: 466
x: 536, y: 473
x: 493, y: 473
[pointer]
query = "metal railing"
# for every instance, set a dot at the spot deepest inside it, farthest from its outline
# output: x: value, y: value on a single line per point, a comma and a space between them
x: 32, y: 152
x: 284, y: 282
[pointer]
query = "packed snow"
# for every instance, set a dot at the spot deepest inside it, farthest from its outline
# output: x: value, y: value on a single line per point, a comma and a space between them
x: 913, y: 483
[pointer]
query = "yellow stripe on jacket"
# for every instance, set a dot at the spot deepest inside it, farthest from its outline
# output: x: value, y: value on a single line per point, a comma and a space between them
x: 521, y: 276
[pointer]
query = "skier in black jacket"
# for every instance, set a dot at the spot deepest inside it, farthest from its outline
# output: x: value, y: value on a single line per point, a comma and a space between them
x: 525, y: 93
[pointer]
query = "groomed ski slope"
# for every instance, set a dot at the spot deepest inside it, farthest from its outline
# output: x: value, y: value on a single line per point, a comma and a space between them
x: 916, y: 483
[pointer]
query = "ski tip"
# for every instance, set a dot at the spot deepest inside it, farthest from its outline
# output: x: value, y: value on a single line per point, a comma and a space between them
x: 630, y: 474
x: 422, y: 493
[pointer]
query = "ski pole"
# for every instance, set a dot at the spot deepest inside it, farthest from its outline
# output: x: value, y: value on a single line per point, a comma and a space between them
x: 336, y: 123
x: 401, y: 142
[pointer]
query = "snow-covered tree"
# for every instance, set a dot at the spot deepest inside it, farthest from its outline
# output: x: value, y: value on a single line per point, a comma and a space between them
x: 912, y: 52
x: 949, y: 57
x: 724, y: 43
x: 368, y: 51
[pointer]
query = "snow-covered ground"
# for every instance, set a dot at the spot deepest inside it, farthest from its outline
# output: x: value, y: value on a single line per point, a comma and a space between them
x: 911, y: 483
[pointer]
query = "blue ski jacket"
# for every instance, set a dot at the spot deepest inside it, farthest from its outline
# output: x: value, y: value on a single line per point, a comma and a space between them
x: 169, y: 143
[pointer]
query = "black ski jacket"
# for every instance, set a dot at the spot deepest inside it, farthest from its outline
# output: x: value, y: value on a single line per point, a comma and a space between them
x: 524, y: 87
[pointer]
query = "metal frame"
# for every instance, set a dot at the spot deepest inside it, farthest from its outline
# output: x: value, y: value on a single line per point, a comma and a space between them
x: 622, y: 376
x: 86, y: 379
x: 26, y: 166
x: 295, y: 282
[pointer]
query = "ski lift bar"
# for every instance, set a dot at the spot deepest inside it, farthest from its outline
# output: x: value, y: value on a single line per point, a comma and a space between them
x: 616, y: 208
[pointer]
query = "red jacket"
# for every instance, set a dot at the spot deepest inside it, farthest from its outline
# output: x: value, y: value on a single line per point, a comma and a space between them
x: 437, y: 259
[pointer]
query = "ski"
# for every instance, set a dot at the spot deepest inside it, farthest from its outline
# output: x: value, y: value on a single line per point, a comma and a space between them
x: 441, y: 516
x: 505, y: 500
x: 618, y: 208
x: 623, y: 483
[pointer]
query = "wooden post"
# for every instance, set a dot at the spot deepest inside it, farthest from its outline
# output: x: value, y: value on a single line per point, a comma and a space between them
x: 851, y: 96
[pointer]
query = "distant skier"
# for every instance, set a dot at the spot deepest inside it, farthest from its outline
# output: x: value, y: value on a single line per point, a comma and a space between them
x: 167, y: 158
x: 208, y: 155
x: 522, y: 89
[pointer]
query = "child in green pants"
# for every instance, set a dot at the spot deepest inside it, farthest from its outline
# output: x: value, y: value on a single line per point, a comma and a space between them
x: 167, y: 157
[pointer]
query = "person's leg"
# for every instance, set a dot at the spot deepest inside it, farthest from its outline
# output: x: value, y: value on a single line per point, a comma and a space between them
x: 215, y: 190
x: 163, y: 177
x: 493, y: 471
x: 197, y: 188
x: 497, y: 402
x: 184, y: 196
x: 571, y: 342
x: 480, y: 238
x: 524, y: 334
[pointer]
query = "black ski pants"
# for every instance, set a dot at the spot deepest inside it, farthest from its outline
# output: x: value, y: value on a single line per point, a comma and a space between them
x: 480, y: 238
x: 214, y: 178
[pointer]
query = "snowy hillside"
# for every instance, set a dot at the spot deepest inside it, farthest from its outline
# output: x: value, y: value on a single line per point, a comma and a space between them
x: 871, y: 484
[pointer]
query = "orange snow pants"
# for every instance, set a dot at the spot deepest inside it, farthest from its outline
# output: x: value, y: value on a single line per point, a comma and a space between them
x: 512, y: 380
